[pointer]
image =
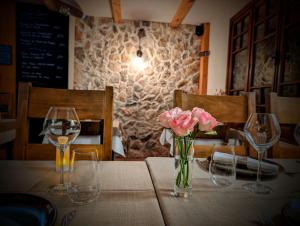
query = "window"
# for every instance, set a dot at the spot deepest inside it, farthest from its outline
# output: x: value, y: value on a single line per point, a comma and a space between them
x: 264, y: 50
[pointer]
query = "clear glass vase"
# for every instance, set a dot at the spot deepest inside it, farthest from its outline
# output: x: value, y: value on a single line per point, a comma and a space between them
x: 184, y: 158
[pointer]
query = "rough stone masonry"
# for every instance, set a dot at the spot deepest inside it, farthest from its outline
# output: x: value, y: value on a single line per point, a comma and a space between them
x: 104, y: 56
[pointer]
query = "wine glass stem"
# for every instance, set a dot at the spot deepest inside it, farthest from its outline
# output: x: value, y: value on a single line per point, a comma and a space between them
x: 61, y: 149
x: 259, y: 156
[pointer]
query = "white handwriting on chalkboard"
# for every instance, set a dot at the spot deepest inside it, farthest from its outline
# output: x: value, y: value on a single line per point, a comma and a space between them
x: 42, y: 45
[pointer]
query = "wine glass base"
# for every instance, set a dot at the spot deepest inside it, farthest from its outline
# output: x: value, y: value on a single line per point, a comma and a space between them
x: 257, y: 188
x: 58, y: 189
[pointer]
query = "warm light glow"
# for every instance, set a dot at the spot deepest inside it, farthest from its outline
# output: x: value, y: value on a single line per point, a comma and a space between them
x: 138, y: 63
x: 66, y: 160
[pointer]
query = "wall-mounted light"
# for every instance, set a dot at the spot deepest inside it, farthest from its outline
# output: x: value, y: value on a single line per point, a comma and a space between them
x: 138, y: 63
x: 141, y: 34
x: 137, y: 60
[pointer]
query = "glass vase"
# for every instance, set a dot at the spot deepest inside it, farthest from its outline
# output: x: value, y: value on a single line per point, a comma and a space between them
x: 184, y: 158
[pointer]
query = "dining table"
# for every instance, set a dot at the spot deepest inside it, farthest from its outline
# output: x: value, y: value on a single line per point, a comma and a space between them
x: 127, y: 195
x: 233, y: 205
x: 139, y: 193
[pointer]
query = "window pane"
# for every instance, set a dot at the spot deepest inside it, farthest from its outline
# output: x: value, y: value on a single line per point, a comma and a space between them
x: 271, y: 25
x: 244, y: 40
x: 238, y: 28
x: 259, y: 31
x: 292, y: 60
x: 290, y: 91
x: 246, y: 23
x: 259, y: 12
x: 264, y: 65
x: 240, y: 66
x: 293, y: 12
x: 236, y: 43
x: 272, y: 4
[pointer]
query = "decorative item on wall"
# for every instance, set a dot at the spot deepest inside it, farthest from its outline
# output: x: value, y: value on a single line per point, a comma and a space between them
x: 141, y: 34
x: 138, y: 60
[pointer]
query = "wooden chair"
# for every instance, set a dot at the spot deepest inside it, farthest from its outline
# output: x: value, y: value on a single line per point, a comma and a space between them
x: 5, y: 105
x: 34, y: 102
x: 230, y: 110
x: 7, y: 136
x: 287, y: 111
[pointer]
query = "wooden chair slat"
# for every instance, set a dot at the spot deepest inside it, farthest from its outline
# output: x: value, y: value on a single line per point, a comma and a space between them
x: 41, y: 99
x: 223, y: 108
x: 48, y: 151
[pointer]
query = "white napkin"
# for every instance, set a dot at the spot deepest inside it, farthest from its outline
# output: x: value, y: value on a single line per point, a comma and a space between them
x: 167, y: 137
x: 251, y: 163
x: 265, y: 166
x: 117, y: 145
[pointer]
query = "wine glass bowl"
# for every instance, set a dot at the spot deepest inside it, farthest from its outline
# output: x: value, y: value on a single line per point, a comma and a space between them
x: 83, y: 187
x: 61, y: 127
x: 222, y: 171
x: 297, y: 133
x: 262, y: 130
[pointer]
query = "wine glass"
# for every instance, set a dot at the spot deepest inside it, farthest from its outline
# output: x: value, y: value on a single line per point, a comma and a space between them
x: 61, y: 127
x: 297, y: 133
x: 222, y: 164
x: 262, y: 130
x: 83, y: 187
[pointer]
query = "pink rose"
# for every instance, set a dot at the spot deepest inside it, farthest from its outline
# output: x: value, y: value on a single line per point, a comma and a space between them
x: 183, y: 123
x: 206, y: 121
x: 166, y: 116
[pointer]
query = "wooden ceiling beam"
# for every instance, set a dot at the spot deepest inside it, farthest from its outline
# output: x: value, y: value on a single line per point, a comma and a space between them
x: 116, y: 10
x: 182, y: 11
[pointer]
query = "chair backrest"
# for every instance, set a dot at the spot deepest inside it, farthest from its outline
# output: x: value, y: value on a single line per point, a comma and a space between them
x: 287, y: 111
x: 226, y: 109
x: 7, y: 136
x: 5, y: 105
x: 34, y: 102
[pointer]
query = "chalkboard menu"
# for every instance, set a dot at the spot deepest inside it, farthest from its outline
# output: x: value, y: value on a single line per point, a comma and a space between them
x: 42, y: 46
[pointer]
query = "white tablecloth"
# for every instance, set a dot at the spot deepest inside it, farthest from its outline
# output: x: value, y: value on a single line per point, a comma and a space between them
x: 127, y: 196
x: 211, y: 205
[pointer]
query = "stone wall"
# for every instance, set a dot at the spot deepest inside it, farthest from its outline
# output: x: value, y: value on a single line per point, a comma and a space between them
x: 104, y: 55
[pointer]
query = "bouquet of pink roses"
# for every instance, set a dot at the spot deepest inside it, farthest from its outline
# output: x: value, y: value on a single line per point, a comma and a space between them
x: 188, y: 123
x: 185, y: 125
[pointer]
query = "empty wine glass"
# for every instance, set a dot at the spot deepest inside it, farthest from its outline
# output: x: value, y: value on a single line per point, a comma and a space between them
x: 83, y: 187
x: 222, y: 165
x: 297, y: 133
x: 61, y: 127
x: 262, y: 130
